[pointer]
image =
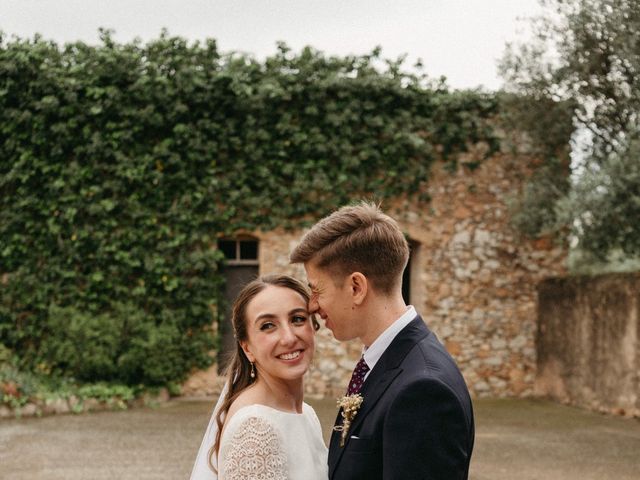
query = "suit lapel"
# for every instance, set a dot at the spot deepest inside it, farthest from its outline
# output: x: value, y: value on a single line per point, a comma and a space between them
x: 385, y: 370
x: 371, y: 396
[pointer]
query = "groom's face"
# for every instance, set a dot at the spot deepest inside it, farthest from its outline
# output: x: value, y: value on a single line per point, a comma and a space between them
x: 332, y: 301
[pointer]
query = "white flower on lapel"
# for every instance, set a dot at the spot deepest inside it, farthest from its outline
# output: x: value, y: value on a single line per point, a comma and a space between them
x: 350, y: 405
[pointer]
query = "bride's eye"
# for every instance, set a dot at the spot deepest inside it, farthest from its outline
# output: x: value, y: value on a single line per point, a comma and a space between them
x: 267, y: 326
x: 298, y: 319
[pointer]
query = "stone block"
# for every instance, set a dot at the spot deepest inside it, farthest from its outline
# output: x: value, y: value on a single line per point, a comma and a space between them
x: 29, y: 410
x: 55, y: 406
x: 481, y: 387
x: 462, y: 212
x: 493, y: 361
x: 461, y: 239
x: 454, y: 348
x: 498, y: 344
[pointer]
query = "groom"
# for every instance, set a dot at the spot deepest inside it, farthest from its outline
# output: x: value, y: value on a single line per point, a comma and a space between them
x: 416, y: 419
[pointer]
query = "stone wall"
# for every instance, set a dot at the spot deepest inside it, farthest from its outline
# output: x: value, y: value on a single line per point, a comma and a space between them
x: 589, y: 342
x: 473, y: 279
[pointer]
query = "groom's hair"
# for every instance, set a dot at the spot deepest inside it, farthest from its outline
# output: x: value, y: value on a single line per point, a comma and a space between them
x: 357, y: 238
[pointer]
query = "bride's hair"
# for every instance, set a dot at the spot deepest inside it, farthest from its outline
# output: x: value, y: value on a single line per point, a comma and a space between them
x: 238, y: 372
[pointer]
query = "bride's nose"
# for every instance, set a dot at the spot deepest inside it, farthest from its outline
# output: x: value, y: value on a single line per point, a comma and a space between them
x: 287, y: 335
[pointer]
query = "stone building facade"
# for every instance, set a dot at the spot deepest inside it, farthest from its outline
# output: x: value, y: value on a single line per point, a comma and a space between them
x: 472, y: 278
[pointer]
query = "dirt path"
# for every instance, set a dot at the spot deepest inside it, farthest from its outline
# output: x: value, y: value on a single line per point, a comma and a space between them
x: 524, y: 440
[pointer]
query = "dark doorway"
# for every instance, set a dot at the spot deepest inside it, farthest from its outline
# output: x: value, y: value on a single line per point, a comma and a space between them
x: 241, y: 266
x: 406, y: 275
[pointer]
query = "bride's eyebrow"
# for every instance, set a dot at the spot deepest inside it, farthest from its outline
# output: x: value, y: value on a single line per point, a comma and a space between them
x: 269, y: 316
x: 264, y: 316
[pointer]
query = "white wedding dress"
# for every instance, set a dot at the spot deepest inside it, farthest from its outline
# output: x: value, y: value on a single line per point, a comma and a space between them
x: 261, y: 443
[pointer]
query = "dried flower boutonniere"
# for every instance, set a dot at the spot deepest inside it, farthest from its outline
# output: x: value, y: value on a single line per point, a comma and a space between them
x: 350, y: 405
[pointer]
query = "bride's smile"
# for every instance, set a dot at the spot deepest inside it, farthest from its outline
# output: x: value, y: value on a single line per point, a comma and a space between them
x: 291, y: 356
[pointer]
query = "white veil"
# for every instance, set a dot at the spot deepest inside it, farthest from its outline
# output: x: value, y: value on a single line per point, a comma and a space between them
x: 201, y: 470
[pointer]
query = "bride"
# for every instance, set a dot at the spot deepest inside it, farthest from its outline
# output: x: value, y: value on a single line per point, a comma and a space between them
x: 262, y: 428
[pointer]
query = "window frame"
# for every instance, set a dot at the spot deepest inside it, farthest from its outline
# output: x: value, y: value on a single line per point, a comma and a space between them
x: 238, y: 260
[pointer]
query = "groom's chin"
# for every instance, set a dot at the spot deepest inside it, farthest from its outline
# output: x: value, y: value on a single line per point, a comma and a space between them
x: 338, y: 336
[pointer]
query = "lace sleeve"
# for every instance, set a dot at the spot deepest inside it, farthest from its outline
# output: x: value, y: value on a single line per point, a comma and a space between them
x: 254, y: 453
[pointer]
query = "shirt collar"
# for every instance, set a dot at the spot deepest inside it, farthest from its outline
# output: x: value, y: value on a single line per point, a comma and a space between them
x: 378, y: 347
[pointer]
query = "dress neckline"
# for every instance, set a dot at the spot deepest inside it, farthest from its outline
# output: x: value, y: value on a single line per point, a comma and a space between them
x: 284, y: 412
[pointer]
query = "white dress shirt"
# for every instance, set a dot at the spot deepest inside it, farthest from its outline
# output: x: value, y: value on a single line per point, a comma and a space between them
x: 373, y: 353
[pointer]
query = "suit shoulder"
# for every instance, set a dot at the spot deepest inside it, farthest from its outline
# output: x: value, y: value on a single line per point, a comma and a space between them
x: 418, y: 384
x: 429, y: 366
x: 435, y: 394
x: 430, y: 352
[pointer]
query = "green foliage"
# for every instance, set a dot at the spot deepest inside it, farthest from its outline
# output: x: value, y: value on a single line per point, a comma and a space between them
x: 533, y: 210
x: 582, y: 262
x: 16, y: 387
x: 605, y: 207
x: 121, y: 163
x: 547, y: 127
x: 122, y: 345
x: 115, y: 395
x: 584, y: 57
x: 19, y: 387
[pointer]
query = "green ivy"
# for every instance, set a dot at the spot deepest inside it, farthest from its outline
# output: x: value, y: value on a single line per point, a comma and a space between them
x: 120, y: 164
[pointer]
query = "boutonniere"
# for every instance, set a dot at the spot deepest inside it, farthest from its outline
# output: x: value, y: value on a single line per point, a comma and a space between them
x: 350, y: 405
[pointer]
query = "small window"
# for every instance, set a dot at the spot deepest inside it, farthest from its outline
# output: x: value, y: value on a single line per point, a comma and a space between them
x: 239, y: 251
x: 248, y: 250
x: 228, y: 247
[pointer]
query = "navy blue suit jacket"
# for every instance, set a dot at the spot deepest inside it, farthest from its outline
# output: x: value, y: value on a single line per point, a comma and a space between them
x: 416, y: 419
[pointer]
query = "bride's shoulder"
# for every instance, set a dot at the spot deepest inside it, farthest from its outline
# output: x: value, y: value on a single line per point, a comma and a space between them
x: 246, y: 420
x: 247, y: 404
x: 309, y: 412
x: 246, y: 399
x: 252, y: 440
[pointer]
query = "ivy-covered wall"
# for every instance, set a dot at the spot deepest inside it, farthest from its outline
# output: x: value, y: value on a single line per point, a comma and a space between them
x: 120, y: 164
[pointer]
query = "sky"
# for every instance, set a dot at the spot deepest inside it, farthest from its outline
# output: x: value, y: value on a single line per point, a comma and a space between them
x: 459, y: 39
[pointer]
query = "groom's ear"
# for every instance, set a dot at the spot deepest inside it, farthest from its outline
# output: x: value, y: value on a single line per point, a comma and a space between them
x: 359, y: 286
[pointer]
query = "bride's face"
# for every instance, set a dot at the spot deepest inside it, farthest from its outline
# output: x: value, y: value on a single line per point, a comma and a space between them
x: 280, y: 334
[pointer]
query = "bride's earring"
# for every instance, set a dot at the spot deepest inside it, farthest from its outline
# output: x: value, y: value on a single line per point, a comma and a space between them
x: 253, y: 372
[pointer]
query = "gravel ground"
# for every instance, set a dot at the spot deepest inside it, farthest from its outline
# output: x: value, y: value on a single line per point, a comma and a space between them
x: 515, y: 439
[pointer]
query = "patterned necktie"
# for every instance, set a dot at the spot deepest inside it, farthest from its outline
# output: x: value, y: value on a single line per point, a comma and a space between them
x: 355, y: 384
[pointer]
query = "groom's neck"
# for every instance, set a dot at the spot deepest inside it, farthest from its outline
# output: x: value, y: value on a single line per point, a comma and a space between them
x: 379, y: 312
